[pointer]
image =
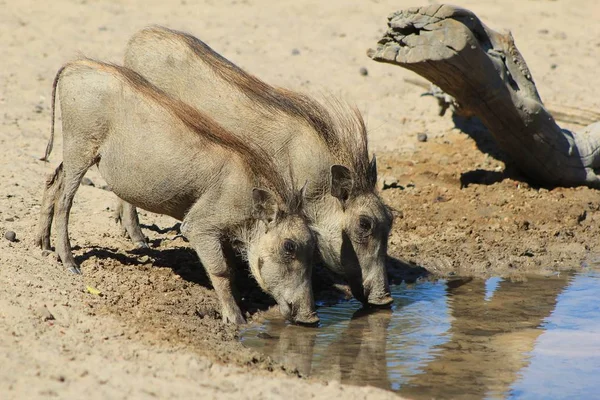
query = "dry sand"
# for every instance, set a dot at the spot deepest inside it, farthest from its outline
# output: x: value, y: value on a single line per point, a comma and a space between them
x: 155, y: 331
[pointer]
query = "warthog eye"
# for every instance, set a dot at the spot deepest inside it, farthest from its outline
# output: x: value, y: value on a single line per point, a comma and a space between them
x: 289, y: 247
x: 366, y: 225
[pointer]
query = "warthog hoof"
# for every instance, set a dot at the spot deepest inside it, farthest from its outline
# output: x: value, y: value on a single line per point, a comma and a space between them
x: 141, y: 245
x: 233, y: 318
x: 75, y: 270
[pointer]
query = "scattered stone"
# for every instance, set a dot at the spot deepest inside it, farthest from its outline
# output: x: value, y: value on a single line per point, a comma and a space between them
x: 45, y: 314
x: 422, y: 137
x: 581, y: 217
x: 38, y: 109
x: 86, y: 182
x: 145, y: 259
x: 363, y: 71
x: 11, y: 236
x: 295, y: 52
x: 553, y: 66
x: 389, y: 182
x: 102, y: 28
x: 560, y: 36
x: 106, y: 187
x: 544, y: 31
x: 9, y: 219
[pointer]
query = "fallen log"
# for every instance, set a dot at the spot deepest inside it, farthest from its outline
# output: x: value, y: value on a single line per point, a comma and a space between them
x: 487, y: 77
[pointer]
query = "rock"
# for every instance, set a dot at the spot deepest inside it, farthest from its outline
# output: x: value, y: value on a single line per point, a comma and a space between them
x: 145, y: 260
x: 45, y: 314
x: 86, y: 182
x: 422, y: 137
x: 389, y: 182
x: 46, y: 253
x: 363, y: 71
x: 9, y: 219
x: 295, y: 52
x: 11, y: 236
x: 38, y: 109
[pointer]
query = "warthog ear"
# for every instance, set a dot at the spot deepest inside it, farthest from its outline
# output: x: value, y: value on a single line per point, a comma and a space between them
x: 373, y: 171
x: 341, y: 182
x: 264, y: 205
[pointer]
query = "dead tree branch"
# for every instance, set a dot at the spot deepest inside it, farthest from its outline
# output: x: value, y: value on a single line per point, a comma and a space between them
x: 486, y: 76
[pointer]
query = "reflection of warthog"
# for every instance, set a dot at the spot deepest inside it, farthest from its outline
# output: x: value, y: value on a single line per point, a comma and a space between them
x: 356, y: 356
x: 164, y: 156
x: 352, y: 224
x: 489, y: 339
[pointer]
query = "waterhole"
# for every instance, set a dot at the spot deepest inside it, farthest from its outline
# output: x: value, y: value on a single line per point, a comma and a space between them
x: 538, y: 338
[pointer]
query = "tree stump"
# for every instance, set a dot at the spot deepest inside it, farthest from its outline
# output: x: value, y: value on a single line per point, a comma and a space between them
x: 488, y: 78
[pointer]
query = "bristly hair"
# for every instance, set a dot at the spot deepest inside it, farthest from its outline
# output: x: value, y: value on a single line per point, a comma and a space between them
x: 256, y: 159
x: 340, y: 127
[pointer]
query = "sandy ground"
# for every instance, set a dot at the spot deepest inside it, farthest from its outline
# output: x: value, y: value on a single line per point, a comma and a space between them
x: 154, y: 331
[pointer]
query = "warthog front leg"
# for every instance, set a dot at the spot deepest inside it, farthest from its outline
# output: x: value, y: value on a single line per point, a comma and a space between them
x: 54, y: 186
x: 127, y: 216
x: 208, y: 246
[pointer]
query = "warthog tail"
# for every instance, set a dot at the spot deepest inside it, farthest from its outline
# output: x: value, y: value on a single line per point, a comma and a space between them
x: 51, y: 141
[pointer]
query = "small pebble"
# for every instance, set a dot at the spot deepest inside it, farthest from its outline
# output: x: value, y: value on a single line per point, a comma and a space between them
x: 38, y: 109
x: 389, y: 182
x: 553, y: 66
x: 10, y: 236
x: 45, y: 314
x: 422, y: 137
x: 363, y: 71
x: 295, y: 52
x: 145, y: 259
x: 87, y: 182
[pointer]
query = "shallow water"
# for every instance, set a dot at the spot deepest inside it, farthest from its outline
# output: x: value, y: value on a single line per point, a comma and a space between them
x: 539, y: 338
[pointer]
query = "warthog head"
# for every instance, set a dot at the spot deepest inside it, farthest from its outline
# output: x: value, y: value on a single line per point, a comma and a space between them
x: 358, y: 225
x: 280, y: 256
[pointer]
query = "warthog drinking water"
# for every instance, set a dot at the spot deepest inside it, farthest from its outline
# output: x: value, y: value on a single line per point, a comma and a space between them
x: 351, y: 221
x: 164, y: 156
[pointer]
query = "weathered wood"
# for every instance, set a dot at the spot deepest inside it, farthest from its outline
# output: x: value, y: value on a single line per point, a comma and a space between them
x: 487, y: 76
x: 570, y: 115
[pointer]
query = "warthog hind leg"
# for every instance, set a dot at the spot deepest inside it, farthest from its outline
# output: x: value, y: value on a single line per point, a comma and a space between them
x: 126, y: 215
x: 54, y: 186
x: 72, y: 178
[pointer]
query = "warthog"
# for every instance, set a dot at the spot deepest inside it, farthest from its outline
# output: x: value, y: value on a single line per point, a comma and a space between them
x: 351, y: 221
x: 164, y: 156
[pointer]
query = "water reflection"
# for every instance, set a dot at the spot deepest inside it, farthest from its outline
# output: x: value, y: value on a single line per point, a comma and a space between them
x: 456, y: 339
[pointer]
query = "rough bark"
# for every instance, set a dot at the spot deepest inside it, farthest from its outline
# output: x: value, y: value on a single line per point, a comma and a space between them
x: 487, y: 77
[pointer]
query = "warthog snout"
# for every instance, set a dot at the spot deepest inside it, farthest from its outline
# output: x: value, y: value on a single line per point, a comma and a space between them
x: 303, y: 316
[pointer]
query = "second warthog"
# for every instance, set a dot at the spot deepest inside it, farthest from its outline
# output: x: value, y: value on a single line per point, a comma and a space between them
x: 351, y: 221
x: 164, y: 156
